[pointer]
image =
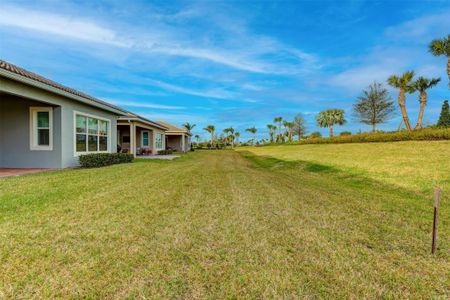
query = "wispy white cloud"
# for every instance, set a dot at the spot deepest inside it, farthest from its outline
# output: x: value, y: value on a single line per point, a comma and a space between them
x: 60, y: 25
x: 176, y: 119
x: 248, y: 52
x: 421, y: 29
x: 359, y: 77
x: 144, y: 104
x: 207, y: 93
x: 405, y: 54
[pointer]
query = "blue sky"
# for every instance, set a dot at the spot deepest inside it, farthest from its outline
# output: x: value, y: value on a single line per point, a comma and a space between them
x: 233, y: 63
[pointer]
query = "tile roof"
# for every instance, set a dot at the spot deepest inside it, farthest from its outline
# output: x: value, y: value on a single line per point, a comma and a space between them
x: 172, y: 127
x: 33, y: 76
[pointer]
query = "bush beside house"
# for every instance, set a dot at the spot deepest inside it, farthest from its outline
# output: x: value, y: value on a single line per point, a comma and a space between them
x: 96, y: 160
x: 165, y: 152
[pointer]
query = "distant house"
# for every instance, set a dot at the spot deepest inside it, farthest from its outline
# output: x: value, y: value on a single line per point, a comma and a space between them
x: 178, y: 139
x: 140, y: 136
x: 44, y: 124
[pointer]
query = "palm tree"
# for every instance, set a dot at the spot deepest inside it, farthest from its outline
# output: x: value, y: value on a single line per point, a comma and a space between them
x: 422, y: 85
x: 331, y: 117
x: 189, y: 126
x: 278, y: 120
x: 211, y: 129
x: 226, y: 131
x: 440, y: 47
x: 274, y: 133
x: 285, y: 130
x: 290, y: 129
x: 271, y: 131
x: 197, y: 138
x: 252, y: 130
x: 237, y: 135
x: 230, y: 135
x: 403, y: 83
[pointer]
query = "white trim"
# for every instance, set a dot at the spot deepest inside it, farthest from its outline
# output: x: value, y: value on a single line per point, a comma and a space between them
x: 34, y: 130
x: 142, y: 138
x: 109, y: 135
x: 163, y: 141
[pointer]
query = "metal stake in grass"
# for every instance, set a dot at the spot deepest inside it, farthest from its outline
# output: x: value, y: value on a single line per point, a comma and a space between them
x: 437, y: 192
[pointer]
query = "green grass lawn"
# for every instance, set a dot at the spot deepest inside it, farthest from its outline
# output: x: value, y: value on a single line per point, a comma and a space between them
x: 418, y: 166
x: 217, y: 224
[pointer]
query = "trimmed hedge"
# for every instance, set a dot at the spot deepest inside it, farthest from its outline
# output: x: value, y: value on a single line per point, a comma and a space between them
x: 415, y: 135
x: 96, y: 160
x: 165, y: 152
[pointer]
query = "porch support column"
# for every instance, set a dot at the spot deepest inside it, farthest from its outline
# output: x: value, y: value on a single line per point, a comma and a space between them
x: 182, y: 143
x: 133, y: 139
x: 154, y: 151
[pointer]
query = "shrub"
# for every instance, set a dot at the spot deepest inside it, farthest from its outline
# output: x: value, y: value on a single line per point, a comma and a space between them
x: 428, y: 134
x: 96, y: 160
x: 345, y: 133
x: 165, y: 152
x: 315, y: 134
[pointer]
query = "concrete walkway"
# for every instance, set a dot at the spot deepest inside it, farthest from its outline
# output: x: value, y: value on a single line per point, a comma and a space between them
x: 7, y: 172
x: 165, y: 157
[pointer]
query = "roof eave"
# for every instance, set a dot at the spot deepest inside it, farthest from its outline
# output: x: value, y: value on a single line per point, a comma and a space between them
x: 179, y: 132
x: 43, y: 86
x: 145, y: 121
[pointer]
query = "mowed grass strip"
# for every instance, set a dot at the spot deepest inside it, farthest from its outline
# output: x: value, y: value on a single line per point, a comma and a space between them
x: 415, y: 165
x: 216, y: 224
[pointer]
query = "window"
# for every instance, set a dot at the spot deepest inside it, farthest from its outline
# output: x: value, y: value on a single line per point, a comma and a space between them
x: 91, y: 134
x: 145, y: 139
x: 159, y: 141
x: 41, y: 128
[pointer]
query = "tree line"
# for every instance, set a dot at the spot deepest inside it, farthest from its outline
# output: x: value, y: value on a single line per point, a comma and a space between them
x: 373, y: 107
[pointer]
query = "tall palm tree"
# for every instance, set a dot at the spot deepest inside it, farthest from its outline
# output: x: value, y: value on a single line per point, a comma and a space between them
x: 290, y: 130
x: 440, y: 47
x: 422, y: 85
x: 189, y: 126
x: 211, y: 129
x: 226, y: 131
x: 271, y: 132
x: 274, y: 128
x: 403, y: 83
x: 285, y: 130
x: 197, y: 138
x: 331, y: 117
x: 278, y: 120
x: 237, y: 135
x: 230, y: 135
x: 252, y: 130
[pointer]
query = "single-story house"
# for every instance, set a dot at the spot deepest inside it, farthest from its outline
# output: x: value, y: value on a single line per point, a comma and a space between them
x: 44, y: 124
x: 177, y: 139
x: 140, y: 136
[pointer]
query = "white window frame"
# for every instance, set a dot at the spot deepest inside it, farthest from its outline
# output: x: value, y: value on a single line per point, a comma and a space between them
x: 109, y: 135
x: 163, y: 146
x: 34, y: 128
x: 142, y: 138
